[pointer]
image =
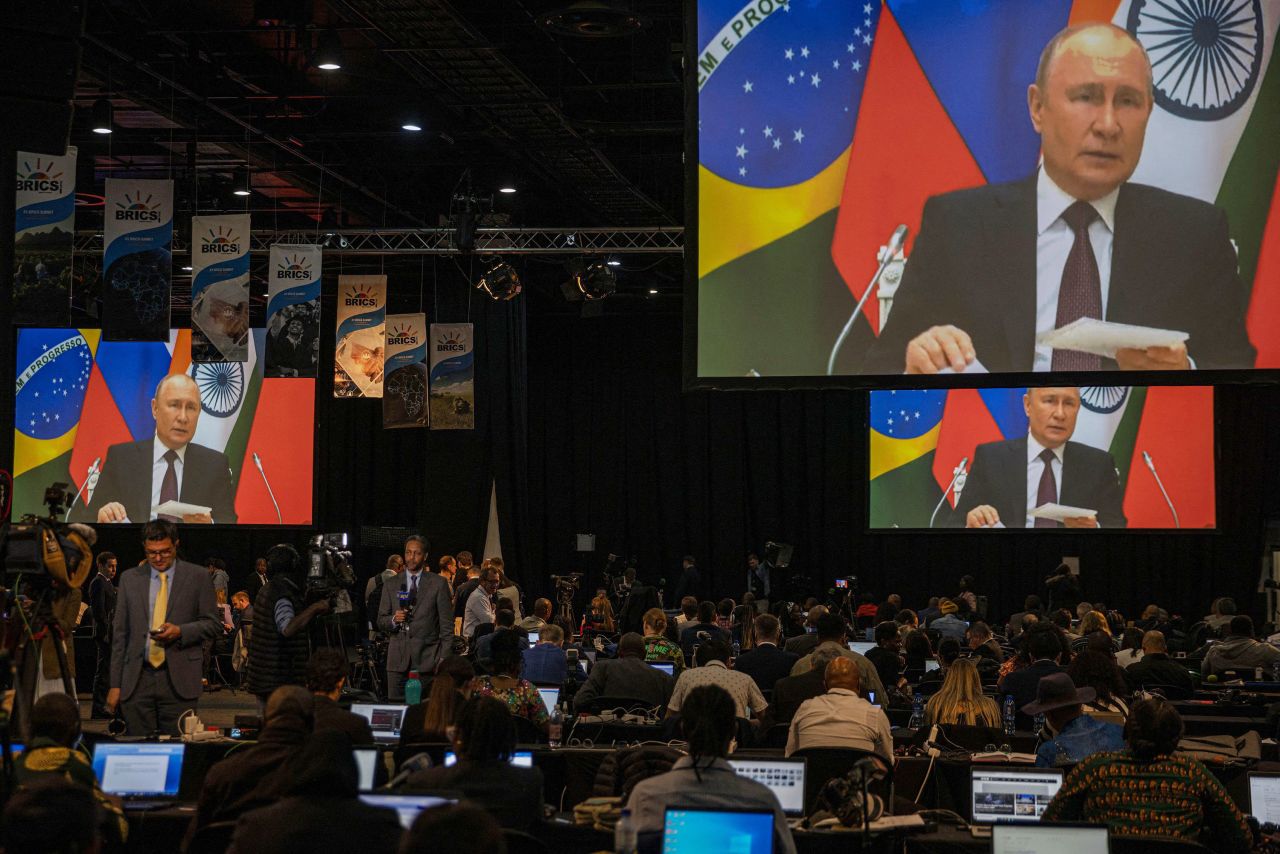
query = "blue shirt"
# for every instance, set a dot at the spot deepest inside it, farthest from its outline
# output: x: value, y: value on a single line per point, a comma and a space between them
x: 545, y: 664
x: 950, y: 626
x: 1082, y: 737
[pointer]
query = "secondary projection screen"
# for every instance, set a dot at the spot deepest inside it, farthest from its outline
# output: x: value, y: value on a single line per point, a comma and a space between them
x: 85, y: 416
x: 1105, y: 442
x: 822, y: 126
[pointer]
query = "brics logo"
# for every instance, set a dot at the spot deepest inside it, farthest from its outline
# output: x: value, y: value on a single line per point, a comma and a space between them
x: 39, y: 179
x: 402, y: 334
x: 359, y: 297
x: 449, y: 344
x: 220, y: 242
x: 137, y: 209
x: 297, y: 267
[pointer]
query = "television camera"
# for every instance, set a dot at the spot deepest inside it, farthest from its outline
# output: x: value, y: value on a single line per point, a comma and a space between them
x: 329, y: 569
x: 566, y: 587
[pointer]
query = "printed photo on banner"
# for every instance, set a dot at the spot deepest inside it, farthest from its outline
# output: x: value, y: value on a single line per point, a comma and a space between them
x: 220, y: 288
x: 293, y: 311
x: 44, y: 231
x: 453, y: 387
x: 359, y: 353
x: 404, y: 395
x: 137, y: 263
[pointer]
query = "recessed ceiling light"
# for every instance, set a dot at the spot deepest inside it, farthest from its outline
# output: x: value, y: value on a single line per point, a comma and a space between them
x: 507, y: 189
x: 653, y: 291
x: 614, y: 262
x: 240, y: 191
x: 411, y: 126
x: 102, y: 116
x: 188, y: 269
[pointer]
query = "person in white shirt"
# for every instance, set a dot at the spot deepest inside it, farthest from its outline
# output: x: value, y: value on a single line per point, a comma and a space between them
x: 713, y: 669
x: 480, y: 607
x: 841, y: 717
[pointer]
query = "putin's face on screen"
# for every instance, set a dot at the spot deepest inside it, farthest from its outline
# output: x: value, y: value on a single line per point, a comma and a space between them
x: 1051, y: 414
x: 1091, y: 111
x: 176, y: 408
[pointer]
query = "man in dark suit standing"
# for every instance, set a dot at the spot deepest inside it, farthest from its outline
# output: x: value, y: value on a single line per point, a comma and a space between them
x: 422, y: 630
x: 996, y: 265
x: 764, y: 662
x: 164, y: 613
x: 1013, y: 477
x: 102, y: 603
x: 138, y: 476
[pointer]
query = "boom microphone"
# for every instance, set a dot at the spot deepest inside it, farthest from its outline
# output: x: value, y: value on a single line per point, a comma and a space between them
x: 90, y: 475
x: 958, y: 476
x: 257, y: 461
x: 1146, y: 458
x: 892, y: 248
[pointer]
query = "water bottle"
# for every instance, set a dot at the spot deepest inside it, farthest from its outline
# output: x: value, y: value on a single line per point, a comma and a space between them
x: 917, y: 712
x: 555, y: 725
x: 413, y: 689
x: 624, y: 834
x: 1008, y: 714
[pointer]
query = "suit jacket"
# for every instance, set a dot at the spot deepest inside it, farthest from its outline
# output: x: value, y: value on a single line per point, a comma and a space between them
x: 625, y: 678
x: 126, y: 478
x: 974, y: 266
x: 790, y: 692
x: 999, y: 478
x: 766, y: 664
x: 102, y: 601
x: 803, y: 644
x: 191, y: 608
x: 430, y: 635
x: 1022, y: 684
x: 1158, y: 669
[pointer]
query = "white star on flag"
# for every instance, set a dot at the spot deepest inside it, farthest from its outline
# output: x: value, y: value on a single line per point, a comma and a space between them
x: 866, y: 39
x: 742, y: 151
x: 799, y: 135
x: 857, y: 66
x: 849, y: 47
x: 747, y: 86
x: 815, y: 80
x: 867, y: 9
x: 858, y: 31
x: 777, y: 143
x: 768, y: 131
x: 791, y: 78
x: 804, y: 51
x: 789, y: 53
x: 835, y: 63
x: 742, y: 171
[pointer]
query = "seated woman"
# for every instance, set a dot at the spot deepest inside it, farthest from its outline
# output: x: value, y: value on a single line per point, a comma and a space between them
x: 1149, y: 790
x: 599, y: 619
x: 505, y: 685
x: 484, y: 741
x: 948, y: 654
x: 657, y: 647
x: 1099, y: 671
x: 1091, y: 623
x: 916, y: 648
x: 430, y: 721
x: 960, y: 699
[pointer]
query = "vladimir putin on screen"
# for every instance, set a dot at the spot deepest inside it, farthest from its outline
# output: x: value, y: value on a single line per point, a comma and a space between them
x: 138, y: 476
x: 1009, y: 479
x: 995, y: 265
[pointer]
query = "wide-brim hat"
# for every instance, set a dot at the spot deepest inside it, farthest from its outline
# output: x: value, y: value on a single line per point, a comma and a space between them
x: 1057, y: 690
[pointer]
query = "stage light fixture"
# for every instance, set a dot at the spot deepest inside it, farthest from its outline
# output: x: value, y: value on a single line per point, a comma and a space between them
x: 597, y: 281
x: 500, y: 281
x: 614, y: 262
x: 507, y: 188
x: 241, y: 183
x: 411, y: 126
x: 329, y: 53
x: 103, y: 116
x: 653, y: 292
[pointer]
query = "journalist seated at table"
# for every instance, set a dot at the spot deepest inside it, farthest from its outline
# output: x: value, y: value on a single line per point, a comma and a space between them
x: 504, y: 621
x: 484, y: 741
x: 765, y: 662
x: 841, y: 718
x: 454, y: 829
x: 960, y: 699
x: 689, y: 635
x: 657, y: 645
x: 626, y: 677
x: 713, y: 668
x: 1074, y: 735
x: 545, y: 663
x: 506, y: 684
x: 1146, y: 788
x: 832, y: 632
x: 789, y: 693
x: 1239, y: 651
x: 52, y: 815
x: 1156, y: 668
x: 326, y: 676
x: 429, y: 721
x: 704, y: 779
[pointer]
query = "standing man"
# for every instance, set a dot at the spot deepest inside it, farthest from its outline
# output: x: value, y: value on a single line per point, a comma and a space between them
x: 759, y: 580
x: 258, y: 580
x: 164, y: 613
x: 102, y: 602
x: 421, y: 636
x: 218, y: 574
x: 690, y: 581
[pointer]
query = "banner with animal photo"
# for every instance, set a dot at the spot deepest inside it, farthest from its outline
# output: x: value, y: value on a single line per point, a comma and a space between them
x: 293, y: 311
x: 44, y: 229
x: 360, y: 348
x: 137, y: 263
x: 404, y: 395
x: 453, y: 386
x: 220, y: 288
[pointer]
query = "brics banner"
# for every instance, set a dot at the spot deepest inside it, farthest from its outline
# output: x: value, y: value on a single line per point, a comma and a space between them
x: 453, y: 387
x: 137, y: 263
x: 220, y: 288
x: 44, y: 228
x: 293, y: 311
x: 404, y: 395
x: 360, y: 349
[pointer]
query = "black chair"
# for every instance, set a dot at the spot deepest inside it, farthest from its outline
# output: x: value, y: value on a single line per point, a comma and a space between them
x: 213, y: 838
x: 519, y: 842
x: 776, y: 736
x: 527, y: 731
x: 827, y: 763
x: 1156, y: 845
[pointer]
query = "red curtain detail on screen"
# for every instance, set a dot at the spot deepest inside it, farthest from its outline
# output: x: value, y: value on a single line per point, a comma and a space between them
x: 286, y: 454
x: 966, y: 424
x: 1177, y: 431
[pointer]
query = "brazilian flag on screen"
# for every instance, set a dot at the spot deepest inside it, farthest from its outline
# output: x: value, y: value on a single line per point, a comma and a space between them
x: 904, y: 437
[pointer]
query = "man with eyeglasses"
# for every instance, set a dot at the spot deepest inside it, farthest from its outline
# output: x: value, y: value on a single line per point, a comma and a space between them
x: 164, y: 612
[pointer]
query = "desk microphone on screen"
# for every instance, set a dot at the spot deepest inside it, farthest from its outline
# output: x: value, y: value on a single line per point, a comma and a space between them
x: 90, y: 477
x: 958, y: 478
x: 1146, y: 458
x: 257, y: 462
x: 892, y: 248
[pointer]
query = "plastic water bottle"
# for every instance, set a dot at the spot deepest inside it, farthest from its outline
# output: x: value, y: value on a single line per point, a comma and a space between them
x: 555, y: 726
x: 917, y: 712
x: 624, y: 835
x: 1008, y: 714
x: 413, y: 689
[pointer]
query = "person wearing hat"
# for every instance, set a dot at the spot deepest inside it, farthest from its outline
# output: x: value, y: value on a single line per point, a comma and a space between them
x: 949, y: 625
x: 1073, y: 734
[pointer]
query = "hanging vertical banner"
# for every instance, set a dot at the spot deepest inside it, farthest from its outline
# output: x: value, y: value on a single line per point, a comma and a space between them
x: 404, y: 395
x: 293, y: 311
x: 453, y: 387
x: 360, y: 348
x: 44, y: 228
x: 220, y: 288
x: 137, y: 263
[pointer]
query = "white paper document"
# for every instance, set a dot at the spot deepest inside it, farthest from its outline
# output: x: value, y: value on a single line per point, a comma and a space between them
x: 1102, y: 338
x: 1060, y: 512
x: 180, y: 509
x: 974, y: 367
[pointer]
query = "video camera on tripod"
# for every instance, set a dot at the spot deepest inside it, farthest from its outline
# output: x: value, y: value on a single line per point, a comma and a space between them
x: 566, y: 587
x: 329, y: 567
x: 45, y: 553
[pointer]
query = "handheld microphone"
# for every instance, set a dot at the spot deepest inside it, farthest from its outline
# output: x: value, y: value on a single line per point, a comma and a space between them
x: 892, y: 248
x: 958, y: 476
x: 90, y: 475
x: 257, y: 461
x: 415, y: 763
x: 1146, y: 458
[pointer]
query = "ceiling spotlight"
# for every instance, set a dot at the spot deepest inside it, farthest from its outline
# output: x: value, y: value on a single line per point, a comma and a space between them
x: 614, y: 262
x: 506, y: 188
x: 653, y: 292
x: 187, y: 269
x: 500, y: 281
x: 329, y: 51
x: 593, y: 19
x: 597, y: 281
x: 411, y: 126
x: 240, y: 191
x: 241, y: 183
x: 102, y: 116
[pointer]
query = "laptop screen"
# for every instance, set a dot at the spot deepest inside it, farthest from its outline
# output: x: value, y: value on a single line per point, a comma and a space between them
x: 1048, y: 839
x: 550, y: 696
x: 695, y: 831
x: 131, y: 770
x: 861, y: 647
x: 521, y: 759
x: 931, y: 664
x: 366, y: 764
x: 407, y: 807
x: 1013, y: 794
x: 534, y: 636
x: 784, y: 777
x: 666, y: 667
x: 1264, y: 797
x: 384, y: 720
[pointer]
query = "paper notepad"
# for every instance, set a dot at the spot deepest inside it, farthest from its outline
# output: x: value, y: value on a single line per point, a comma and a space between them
x: 1060, y: 512
x: 1102, y: 338
x: 179, y: 509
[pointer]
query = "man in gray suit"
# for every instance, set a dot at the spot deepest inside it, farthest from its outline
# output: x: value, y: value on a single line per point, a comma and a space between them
x: 421, y: 629
x: 164, y: 612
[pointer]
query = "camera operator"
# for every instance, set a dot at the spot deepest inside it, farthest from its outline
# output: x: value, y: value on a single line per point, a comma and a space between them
x: 278, y: 654
x: 420, y: 624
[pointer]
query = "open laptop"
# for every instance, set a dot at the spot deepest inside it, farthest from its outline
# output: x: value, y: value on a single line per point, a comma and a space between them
x: 1049, y: 839
x: 1018, y: 795
x: 667, y: 667
x: 696, y: 831
x: 1264, y: 797
x: 407, y: 807
x: 521, y: 759
x: 931, y: 664
x: 144, y: 775
x: 366, y: 766
x: 861, y: 647
x: 784, y: 777
x: 550, y: 696
x: 384, y: 719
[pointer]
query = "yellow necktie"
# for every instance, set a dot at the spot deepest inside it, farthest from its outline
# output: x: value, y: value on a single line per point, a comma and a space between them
x: 158, y: 614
